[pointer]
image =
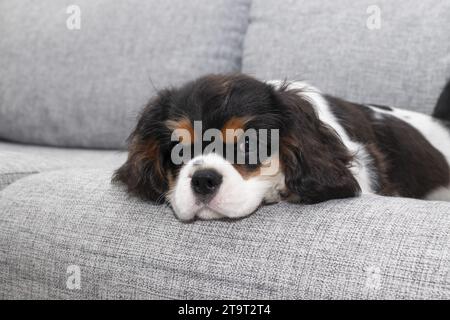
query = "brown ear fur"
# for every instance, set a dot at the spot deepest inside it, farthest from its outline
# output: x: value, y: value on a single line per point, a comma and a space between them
x: 143, y: 173
x: 314, y: 160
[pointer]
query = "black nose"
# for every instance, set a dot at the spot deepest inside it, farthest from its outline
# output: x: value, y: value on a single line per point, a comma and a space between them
x: 206, y: 181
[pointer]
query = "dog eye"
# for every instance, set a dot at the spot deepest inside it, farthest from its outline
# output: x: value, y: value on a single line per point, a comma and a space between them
x: 248, y: 146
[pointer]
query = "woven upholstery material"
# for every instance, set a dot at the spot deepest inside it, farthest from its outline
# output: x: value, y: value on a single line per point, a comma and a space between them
x: 86, y: 87
x: 18, y: 161
x: 405, y: 63
x: 370, y: 247
x: 80, y: 88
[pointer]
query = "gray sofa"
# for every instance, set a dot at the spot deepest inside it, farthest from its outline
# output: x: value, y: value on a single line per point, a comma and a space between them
x: 69, y: 97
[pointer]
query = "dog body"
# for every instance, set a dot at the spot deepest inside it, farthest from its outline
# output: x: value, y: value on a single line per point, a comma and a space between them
x: 326, y: 148
x: 396, y: 152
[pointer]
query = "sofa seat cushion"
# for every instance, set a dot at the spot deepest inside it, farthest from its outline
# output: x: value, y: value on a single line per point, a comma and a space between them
x: 18, y: 161
x: 394, y: 53
x: 369, y: 247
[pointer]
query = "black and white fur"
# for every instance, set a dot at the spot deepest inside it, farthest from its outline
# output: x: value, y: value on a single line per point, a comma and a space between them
x: 329, y: 148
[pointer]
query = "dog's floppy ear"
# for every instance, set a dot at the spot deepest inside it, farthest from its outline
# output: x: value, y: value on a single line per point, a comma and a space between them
x: 143, y: 173
x: 314, y: 160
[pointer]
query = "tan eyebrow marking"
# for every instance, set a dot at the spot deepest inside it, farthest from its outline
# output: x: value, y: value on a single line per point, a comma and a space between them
x: 234, y: 128
x: 186, y: 131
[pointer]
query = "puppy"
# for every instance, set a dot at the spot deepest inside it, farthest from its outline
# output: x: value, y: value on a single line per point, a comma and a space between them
x: 317, y: 148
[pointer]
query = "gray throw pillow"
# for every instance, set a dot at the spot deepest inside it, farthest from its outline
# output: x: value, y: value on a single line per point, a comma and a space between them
x: 65, y: 86
x: 384, y: 51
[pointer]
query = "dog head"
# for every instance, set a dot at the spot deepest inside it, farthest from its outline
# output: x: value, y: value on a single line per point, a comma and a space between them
x: 222, y: 145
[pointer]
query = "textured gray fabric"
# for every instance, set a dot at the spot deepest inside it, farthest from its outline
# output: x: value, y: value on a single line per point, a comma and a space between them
x: 371, y: 247
x: 405, y: 63
x: 84, y: 87
x: 18, y: 161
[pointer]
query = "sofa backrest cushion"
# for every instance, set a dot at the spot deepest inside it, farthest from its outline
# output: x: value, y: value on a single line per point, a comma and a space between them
x: 385, y: 52
x: 84, y: 87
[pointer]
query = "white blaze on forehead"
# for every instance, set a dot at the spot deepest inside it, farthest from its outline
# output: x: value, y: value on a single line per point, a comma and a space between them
x: 236, y: 196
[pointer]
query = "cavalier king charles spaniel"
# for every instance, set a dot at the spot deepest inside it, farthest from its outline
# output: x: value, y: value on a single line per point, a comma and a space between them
x: 222, y: 145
